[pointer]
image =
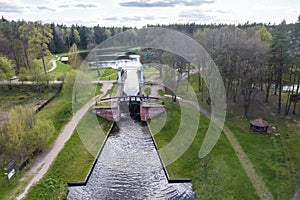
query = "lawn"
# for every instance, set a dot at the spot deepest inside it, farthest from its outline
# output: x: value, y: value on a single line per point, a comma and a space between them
x: 105, y: 74
x: 60, y: 71
x: 217, y: 176
x: 275, y: 158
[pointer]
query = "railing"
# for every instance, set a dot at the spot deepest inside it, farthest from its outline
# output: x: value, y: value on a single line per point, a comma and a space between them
x: 124, y: 98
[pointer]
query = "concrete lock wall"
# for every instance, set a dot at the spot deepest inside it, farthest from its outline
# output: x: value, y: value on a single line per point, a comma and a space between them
x: 109, y: 113
x: 149, y: 112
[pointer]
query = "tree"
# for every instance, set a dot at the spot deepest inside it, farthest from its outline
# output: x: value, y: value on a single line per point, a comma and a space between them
x: 6, y: 69
x: 35, y: 38
x: 41, y: 133
x: 26, y: 134
x: 279, y: 56
x: 3, y: 144
x: 21, y: 121
x: 74, y: 57
x: 76, y: 36
x: 264, y: 34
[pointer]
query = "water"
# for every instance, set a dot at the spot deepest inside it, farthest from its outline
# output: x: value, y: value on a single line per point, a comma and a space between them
x: 129, y: 168
x: 131, y: 85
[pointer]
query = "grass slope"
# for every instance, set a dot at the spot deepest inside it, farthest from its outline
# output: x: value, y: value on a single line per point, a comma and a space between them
x: 219, y: 175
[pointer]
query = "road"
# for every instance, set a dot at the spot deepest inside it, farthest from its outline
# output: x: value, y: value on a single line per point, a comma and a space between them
x: 42, y: 165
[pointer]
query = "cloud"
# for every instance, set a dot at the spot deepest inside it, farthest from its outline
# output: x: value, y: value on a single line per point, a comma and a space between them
x: 164, y: 3
x: 78, y: 5
x: 132, y: 18
x: 82, y: 5
x: 196, y: 15
x: 111, y: 19
x: 45, y: 8
x: 10, y: 8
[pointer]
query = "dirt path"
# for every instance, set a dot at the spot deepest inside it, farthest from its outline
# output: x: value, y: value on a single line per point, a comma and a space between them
x: 42, y: 165
x: 256, y: 180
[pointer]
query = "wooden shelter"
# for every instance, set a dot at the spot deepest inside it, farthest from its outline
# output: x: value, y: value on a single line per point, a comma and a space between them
x: 259, y: 125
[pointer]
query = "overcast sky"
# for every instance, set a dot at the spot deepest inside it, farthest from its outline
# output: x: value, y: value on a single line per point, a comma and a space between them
x: 142, y: 12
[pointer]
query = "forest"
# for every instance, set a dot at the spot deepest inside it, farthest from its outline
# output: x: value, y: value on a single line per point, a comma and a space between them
x: 249, y: 56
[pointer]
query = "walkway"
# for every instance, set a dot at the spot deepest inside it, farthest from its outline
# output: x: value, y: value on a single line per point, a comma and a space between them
x: 42, y: 165
x: 54, y: 65
x: 256, y: 180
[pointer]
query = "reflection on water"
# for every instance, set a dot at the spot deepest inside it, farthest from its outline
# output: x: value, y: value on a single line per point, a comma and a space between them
x: 129, y: 168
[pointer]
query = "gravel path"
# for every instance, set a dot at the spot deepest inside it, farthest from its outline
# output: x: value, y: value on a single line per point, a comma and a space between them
x: 42, y: 164
x: 256, y: 180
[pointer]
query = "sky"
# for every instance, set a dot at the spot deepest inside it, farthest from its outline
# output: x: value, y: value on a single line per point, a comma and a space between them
x: 138, y: 13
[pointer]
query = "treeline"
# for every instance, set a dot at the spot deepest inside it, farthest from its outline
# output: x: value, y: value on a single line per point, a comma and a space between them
x: 250, y: 56
x: 23, y: 42
x: 253, y: 58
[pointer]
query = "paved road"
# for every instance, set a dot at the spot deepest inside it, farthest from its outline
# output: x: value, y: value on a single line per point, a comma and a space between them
x: 256, y: 180
x: 42, y: 165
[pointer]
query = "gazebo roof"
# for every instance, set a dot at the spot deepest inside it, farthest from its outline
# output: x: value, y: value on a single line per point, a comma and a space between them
x: 259, y: 122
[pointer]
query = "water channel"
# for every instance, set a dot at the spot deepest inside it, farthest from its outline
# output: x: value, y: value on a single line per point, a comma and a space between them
x: 129, y: 166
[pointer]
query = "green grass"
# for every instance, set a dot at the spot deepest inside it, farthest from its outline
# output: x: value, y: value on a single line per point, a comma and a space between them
x: 271, y: 156
x: 105, y: 74
x: 64, y: 169
x: 275, y: 158
x: 60, y: 109
x: 225, y: 177
x: 61, y: 68
x: 25, y: 95
x: 147, y: 91
x: 80, y: 150
x: 98, y: 89
x: 160, y: 92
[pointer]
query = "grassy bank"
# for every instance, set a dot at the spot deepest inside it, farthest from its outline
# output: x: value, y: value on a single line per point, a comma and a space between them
x: 219, y: 175
x: 32, y: 95
x: 275, y: 156
x: 59, y: 111
x: 80, y: 150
